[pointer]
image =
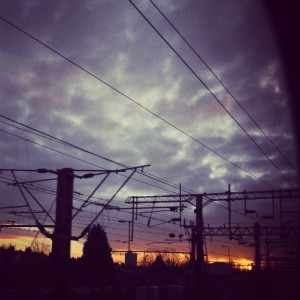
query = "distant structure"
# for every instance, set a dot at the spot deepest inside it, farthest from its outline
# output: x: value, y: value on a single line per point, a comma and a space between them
x: 130, y: 259
x: 220, y: 268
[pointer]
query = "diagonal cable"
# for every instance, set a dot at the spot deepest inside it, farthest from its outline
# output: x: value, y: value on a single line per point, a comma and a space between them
x: 84, y: 232
x: 132, y: 100
x: 209, y: 90
x: 84, y: 204
x: 223, y: 85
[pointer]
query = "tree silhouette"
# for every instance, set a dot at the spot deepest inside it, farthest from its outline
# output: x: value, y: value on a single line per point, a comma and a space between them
x: 96, y: 248
x: 159, y: 263
x: 96, y: 256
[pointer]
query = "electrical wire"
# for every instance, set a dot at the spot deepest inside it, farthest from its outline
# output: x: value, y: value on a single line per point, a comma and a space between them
x: 132, y: 100
x: 53, y: 138
x: 223, y: 85
x: 52, y: 192
x: 123, y: 95
x: 138, y: 240
x: 92, y: 164
x: 214, y: 96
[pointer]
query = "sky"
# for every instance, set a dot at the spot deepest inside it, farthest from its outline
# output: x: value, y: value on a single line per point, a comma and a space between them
x: 98, y: 76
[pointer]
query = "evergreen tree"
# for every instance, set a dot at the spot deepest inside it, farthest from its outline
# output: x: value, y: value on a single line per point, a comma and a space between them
x: 159, y: 263
x: 96, y: 248
x: 96, y: 257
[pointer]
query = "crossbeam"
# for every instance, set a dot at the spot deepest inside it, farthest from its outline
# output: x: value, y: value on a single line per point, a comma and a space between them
x: 234, y: 196
x: 238, y: 231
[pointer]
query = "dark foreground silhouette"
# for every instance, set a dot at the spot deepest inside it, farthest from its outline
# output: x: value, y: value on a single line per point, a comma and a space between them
x: 30, y: 275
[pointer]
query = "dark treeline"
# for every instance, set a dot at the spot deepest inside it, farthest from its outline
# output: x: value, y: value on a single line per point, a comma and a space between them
x: 32, y: 273
x: 29, y: 275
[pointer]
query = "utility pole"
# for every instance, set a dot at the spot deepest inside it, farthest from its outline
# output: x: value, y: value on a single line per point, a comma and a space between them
x: 199, y: 234
x: 193, y: 238
x: 199, y: 288
x: 229, y: 211
x: 62, y: 234
x: 257, y: 258
x: 129, y: 232
x: 61, y: 240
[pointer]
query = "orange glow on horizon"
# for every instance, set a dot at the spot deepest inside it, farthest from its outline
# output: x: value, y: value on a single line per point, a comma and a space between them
x: 21, y: 242
x: 241, y: 263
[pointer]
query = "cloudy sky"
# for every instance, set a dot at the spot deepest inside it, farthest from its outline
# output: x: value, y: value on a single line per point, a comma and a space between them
x: 97, y: 75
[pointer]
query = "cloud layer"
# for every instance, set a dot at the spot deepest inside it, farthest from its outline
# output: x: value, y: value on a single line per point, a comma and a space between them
x: 142, y: 105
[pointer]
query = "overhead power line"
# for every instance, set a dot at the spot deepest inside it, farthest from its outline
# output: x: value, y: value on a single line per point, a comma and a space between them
x: 223, y: 85
x: 132, y: 100
x: 53, y: 138
x: 82, y: 197
x: 69, y: 155
x: 214, y: 96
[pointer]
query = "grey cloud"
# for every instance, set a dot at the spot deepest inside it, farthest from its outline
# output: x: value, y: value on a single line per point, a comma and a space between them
x: 111, y: 40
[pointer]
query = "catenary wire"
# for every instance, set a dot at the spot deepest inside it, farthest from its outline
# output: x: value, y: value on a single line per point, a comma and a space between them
x: 223, y: 85
x: 134, y: 101
x: 53, y: 138
x: 69, y: 155
x: 214, y: 96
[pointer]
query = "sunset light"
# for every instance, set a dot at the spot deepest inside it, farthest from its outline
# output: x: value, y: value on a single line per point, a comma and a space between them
x: 149, y: 150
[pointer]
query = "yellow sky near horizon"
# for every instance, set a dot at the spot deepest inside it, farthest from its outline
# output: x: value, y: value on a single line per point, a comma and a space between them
x: 26, y: 237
